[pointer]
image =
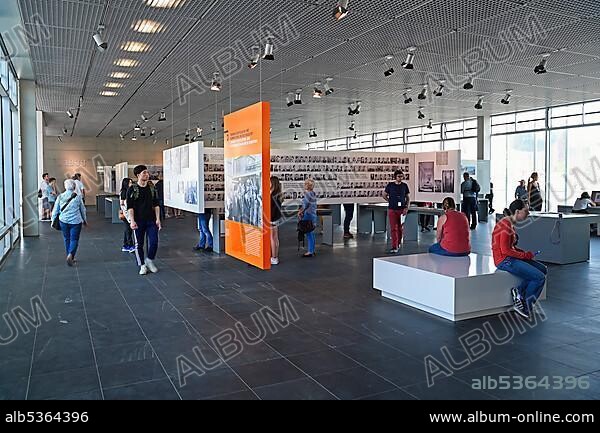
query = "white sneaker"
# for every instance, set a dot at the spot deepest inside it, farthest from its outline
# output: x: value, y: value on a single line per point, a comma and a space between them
x: 151, y: 266
x: 143, y: 270
x: 274, y: 261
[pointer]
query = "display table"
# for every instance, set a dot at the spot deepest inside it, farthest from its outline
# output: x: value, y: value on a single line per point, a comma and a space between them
x: 411, y: 223
x: 372, y: 216
x: 326, y: 219
x: 101, y: 200
x: 112, y: 205
x: 562, y: 239
x: 455, y: 288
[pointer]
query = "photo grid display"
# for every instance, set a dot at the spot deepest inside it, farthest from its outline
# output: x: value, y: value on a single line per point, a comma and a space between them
x: 214, y: 179
x: 339, y: 177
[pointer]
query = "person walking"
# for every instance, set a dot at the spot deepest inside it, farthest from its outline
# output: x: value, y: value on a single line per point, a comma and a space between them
x: 71, y: 213
x: 534, y: 193
x: 276, y: 218
x: 144, y: 216
x: 469, y: 190
x: 206, y: 239
x: 308, y: 212
x: 52, y: 193
x: 43, y: 194
x: 79, y: 187
x: 128, y: 243
x: 397, y: 194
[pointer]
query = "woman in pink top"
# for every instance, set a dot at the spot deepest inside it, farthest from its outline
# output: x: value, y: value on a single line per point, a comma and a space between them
x: 453, y: 233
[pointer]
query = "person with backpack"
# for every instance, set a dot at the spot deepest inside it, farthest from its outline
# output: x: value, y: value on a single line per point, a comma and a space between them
x: 469, y: 190
x: 143, y: 208
x: 70, y: 211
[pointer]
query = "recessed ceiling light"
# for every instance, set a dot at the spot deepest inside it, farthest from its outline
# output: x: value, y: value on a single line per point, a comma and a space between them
x: 164, y: 3
x: 120, y: 75
x: 148, y: 26
x: 112, y: 85
x: 127, y: 63
x: 135, y: 47
x: 108, y: 93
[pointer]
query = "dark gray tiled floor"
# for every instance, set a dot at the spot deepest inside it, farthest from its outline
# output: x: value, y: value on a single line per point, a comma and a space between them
x: 115, y: 335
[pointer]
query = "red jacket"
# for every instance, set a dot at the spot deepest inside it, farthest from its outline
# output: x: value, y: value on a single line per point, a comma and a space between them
x: 504, y: 239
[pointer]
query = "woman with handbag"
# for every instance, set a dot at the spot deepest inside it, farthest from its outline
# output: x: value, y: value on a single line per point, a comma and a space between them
x: 69, y: 214
x: 308, y: 212
x: 128, y: 243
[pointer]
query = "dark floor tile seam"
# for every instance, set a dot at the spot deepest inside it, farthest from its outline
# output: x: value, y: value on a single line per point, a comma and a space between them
x: 143, y: 332
x: 297, y: 379
x: 87, y: 324
x: 254, y: 335
x: 189, y: 325
x: 360, y: 365
x: 43, y: 288
x: 405, y: 388
x: 138, y: 382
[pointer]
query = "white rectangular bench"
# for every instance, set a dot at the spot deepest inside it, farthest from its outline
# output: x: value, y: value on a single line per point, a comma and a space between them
x: 455, y: 288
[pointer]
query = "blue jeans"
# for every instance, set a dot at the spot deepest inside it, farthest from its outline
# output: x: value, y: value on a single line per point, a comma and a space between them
x: 311, y: 236
x: 470, y: 210
x: 206, y: 239
x: 71, y: 233
x: 533, y: 274
x: 145, y: 228
x: 437, y: 249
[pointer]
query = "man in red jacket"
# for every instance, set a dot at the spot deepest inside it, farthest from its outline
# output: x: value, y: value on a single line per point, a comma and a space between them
x: 508, y: 257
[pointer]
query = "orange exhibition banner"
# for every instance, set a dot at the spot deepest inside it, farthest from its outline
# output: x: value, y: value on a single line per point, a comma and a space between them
x: 248, y: 185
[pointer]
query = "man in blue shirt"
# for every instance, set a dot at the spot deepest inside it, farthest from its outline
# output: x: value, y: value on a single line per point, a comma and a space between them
x: 397, y: 194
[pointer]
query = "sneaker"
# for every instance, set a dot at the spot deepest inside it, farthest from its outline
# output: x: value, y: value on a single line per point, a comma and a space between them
x: 208, y: 250
x: 151, y: 266
x: 348, y: 236
x: 70, y: 260
x: 394, y: 251
x: 274, y: 261
x: 143, y: 270
x: 198, y: 248
x: 126, y: 249
x: 132, y: 249
x: 518, y: 305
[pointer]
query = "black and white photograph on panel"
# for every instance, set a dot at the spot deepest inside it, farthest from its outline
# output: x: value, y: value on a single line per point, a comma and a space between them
x: 244, y: 190
x: 426, y: 181
x: 448, y: 181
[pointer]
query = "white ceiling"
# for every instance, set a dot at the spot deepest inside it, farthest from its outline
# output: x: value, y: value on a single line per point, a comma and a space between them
x: 449, y: 36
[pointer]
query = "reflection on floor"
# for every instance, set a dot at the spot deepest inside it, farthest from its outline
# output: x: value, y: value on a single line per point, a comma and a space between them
x: 115, y: 335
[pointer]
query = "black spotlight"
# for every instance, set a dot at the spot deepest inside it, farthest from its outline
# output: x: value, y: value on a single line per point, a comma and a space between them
x: 292, y: 126
x: 469, y: 84
x: 479, y: 105
x: 506, y: 99
x: 389, y: 72
x: 541, y: 68
x: 420, y: 115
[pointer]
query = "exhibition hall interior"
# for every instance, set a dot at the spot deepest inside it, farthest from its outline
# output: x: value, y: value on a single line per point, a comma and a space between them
x: 300, y: 200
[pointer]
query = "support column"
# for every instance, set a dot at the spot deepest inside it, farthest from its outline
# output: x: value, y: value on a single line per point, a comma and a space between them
x: 484, y: 138
x: 30, y: 122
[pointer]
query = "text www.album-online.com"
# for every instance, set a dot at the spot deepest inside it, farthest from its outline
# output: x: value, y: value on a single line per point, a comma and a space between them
x: 536, y: 417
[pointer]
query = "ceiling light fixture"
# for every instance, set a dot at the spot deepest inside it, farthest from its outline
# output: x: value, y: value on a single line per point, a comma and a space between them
x: 506, y: 99
x: 423, y: 94
x: 269, y: 50
x: 187, y: 136
x: 152, y: 132
x: 70, y: 113
x: 113, y: 85
x: 317, y: 93
x: 420, y: 114
x: 410, y: 58
x: 133, y: 137
x: 479, y: 105
x: 143, y: 116
x: 290, y: 99
x: 137, y: 126
x: 143, y: 134
x: 390, y: 71
x: 541, y: 68
x: 164, y: 3
x: 430, y: 124
x: 108, y: 93
x: 354, y: 111
x: 126, y: 63
x: 216, y: 83
x: 440, y: 90
x: 328, y: 89
x: 147, y: 26
x: 99, y: 40
x: 298, y: 97
x: 295, y: 136
x: 255, y: 57
x: 341, y: 10
x: 469, y: 84
x: 135, y: 47
x: 298, y: 124
x: 292, y: 126
x: 407, y: 99
x: 351, y: 127
x: 120, y: 75
x: 121, y: 136
x: 162, y: 117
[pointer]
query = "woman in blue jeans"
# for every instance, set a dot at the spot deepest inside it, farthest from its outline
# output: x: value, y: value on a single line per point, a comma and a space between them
x: 508, y: 257
x: 71, y: 218
x: 206, y: 240
x: 308, y: 212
